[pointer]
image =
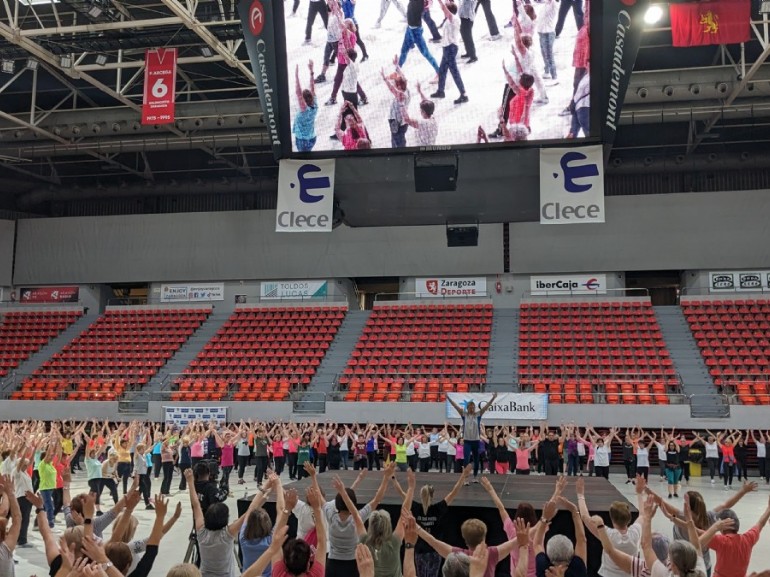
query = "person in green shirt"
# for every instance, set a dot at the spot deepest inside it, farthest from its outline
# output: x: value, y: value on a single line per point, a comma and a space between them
x: 47, y: 473
x: 303, y: 456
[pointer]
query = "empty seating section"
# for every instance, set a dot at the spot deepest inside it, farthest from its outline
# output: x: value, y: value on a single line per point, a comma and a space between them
x: 581, y: 352
x: 24, y: 333
x: 734, y: 339
x: 260, y: 354
x: 426, y: 350
x: 123, y: 348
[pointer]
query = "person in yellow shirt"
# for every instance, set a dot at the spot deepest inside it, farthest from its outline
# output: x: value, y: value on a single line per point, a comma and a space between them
x: 47, y: 473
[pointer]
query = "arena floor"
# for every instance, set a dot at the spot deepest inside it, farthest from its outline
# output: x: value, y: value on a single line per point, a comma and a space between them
x: 32, y: 560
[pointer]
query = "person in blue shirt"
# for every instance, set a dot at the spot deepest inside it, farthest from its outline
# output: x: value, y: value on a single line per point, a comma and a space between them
x: 304, y: 121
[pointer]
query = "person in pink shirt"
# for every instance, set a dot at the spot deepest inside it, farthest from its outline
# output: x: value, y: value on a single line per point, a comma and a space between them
x: 350, y: 129
x: 459, y: 456
x: 196, y: 451
x: 278, y: 455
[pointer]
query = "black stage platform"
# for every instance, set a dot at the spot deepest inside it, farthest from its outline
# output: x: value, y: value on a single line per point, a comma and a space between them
x: 473, y: 502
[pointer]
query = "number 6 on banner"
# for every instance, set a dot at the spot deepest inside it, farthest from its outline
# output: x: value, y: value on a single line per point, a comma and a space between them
x: 159, y: 89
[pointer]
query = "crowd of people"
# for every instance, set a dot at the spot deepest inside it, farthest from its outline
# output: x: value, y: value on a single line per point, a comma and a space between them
x: 410, y: 95
x: 40, y: 458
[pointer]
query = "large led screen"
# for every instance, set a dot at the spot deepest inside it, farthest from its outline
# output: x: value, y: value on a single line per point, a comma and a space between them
x: 398, y: 74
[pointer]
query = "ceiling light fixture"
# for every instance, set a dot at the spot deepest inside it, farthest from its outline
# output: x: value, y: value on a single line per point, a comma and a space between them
x: 207, y: 52
x: 7, y: 66
x: 65, y: 61
x: 764, y: 8
x: 653, y: 15
x: 32, y: 64
x: 95, y: 11
x: 101, y: 59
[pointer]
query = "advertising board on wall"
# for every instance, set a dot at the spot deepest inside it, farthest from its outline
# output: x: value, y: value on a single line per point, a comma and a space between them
x: 508, y: 406
x: 159, y: 86
x: 451, y: 287
x: 188, y: 293
x: 183, y: 416
x: 49, y: 294
x: 739, y: 281
x: 293, y: 289
x: 572, y: 185
x: 576, y: 284
x: 305, y: 196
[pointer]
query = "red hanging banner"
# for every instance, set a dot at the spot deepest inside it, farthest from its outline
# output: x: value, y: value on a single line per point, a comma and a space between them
x: 159, y: 86
x: 710, y: 22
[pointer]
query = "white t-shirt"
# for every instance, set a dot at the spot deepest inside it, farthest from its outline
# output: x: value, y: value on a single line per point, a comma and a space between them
x: 8, y: 465
x: 761, y: 451
x: 443, y: 446
x: 423, y: 451
x: 334, y: 30
x: 627, y: 542
x: 452, y: 448
x: 546, y: 17
x: 427, y: 131
x: 451, y: 31
x: 660, y: 570
x: 305, y: 519
x: 350, y: 78
x: 410, y: 449
x: 642, y: 457
x: 712, y: 450
x: 601, y: 457
x: 7, y: 567
x: 661, y: 451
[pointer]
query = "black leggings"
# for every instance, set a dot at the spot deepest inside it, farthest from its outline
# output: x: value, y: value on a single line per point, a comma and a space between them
x: 686, y: 471
x: 260, y: 470
x: 644, y: 472
x: 743, y: 469
x: 242, y: 462
x: 630, y: 469
x: 602, y: 471
x: 713, y: 464
x: 95, y: 487
x: 727, y: 474
x: 279, y: 462
x: 168, y: 473
x: 124, y: 472
x: 112, y: 487
x: 424, y: 464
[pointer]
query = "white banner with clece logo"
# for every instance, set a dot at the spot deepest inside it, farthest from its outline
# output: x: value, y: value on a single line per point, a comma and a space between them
x: 575, y: 284
x: 183, y: 416
x: 507, y: 407
x: 572, y: 185
x: 293, y: 289
x: 305, y: 196
x: 741, y: 281
x: 451, y: 287
x: 190, y: 293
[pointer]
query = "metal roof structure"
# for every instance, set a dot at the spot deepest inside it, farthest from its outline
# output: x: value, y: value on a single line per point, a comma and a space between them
x: 71, y: 80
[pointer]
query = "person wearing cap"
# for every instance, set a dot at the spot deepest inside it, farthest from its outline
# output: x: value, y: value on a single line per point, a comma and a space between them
x: 733, y: 549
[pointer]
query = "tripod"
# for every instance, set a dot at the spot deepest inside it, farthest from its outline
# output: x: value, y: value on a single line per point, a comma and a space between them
x: 192, y: 555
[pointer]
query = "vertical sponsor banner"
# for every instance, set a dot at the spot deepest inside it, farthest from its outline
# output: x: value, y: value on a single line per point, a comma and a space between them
x: 571, y: 185
x: 622, y: 22
x: 259, y: 19
x: 159, y: 86
x: 305, y: 196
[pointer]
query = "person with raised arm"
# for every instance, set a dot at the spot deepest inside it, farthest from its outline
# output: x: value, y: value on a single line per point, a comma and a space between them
x: 472, y: 431
x: 549, y: 449
x: 711, y: 443
x: 559, y: 552
x: 304, y: 120
x: 342, y: 523
x: 623, y: 535
x: 727, y: 448
x: 759, y: 441
x: 450, y: 42
x: 9, y: 537
x: 428, y: 515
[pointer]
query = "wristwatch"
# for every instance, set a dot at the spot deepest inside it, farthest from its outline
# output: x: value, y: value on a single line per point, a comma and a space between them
x: 544, y: 520
x: 409, y: 545
x: 106, y: 565
x: 87, y: 521
x: 39, y: 510
x: 286, y: 511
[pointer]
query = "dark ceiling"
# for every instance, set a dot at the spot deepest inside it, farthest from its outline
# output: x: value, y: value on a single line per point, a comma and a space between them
x: 70, y: 141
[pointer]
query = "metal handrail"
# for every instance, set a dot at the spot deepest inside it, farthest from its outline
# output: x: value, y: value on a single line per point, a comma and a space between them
x: 726, y: 294
x: 168, y: 379
x: 591, y: 295
x: 258, y: 299
x: 423, y: 297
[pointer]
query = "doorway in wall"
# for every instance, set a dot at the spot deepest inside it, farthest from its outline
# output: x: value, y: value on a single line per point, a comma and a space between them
x: 663, y: 285
x: 129, y: 294
x: 370, y: 289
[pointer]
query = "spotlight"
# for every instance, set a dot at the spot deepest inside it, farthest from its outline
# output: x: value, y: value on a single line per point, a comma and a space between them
x: 722, y: 87
x: 744, y: 156
x: 18, y: 134
x: 668, y: 90
x: 648, y: 160
x: 116, y: 127
x: 220, y: 121
x: 101, y: 59
x: 136, y: 125
x: 207, y: 52
x: 679, y: 159
x: 617, y: 161
x: 653, y: 15
x: 96, y: 128
x: 241, y: 120
x: 198, y: 122
x: 712, y: 157
x: 75, y: 130
x: 65, y: 61
x: 642, y: 93
x: 7, y: 66
x: 694, y: 89
x: 32, y: 64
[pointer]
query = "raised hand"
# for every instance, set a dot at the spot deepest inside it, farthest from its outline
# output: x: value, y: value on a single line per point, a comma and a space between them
x: 486, y: 484
x: 309, y: 469
x: 479, y: 561
x: 364, y: 561
x: 566, y: 504
x: 35, y: 499
x: 549, y: 510
x: 580, y: 486
x: 338, y: 485
x: 651, y: 507
x: 290, y: 498
x: 410, y: 526
x: 522, y: 532
x: 161, y: 506
x: 313, y: 498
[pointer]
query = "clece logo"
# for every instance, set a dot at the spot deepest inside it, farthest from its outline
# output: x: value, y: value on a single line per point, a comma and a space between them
x: 256, y: 18
x: 432, y: 286
x: 749, y: 281
x: 592, y: 284
x: 308, y: 183
x: 573, y: 171
x: 722, y: 281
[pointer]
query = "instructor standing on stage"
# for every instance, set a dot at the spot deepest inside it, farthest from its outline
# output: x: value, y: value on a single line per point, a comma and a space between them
x: 471, y: 431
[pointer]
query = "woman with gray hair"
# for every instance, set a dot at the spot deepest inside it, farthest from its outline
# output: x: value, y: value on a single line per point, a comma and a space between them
x: 559, y: 551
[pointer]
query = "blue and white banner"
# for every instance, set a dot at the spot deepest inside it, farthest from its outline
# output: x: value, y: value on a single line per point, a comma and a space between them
x: 190, y: 293
x: 183, y: 416
x: 572, y: 185
x: 305, y: 196
x: 508, y: 406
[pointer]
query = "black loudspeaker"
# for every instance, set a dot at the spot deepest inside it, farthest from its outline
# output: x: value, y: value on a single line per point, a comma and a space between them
x: 465, y: 235
x: 435, y: 173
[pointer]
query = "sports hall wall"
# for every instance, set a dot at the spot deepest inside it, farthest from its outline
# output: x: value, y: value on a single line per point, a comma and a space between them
x: 706, y: 231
